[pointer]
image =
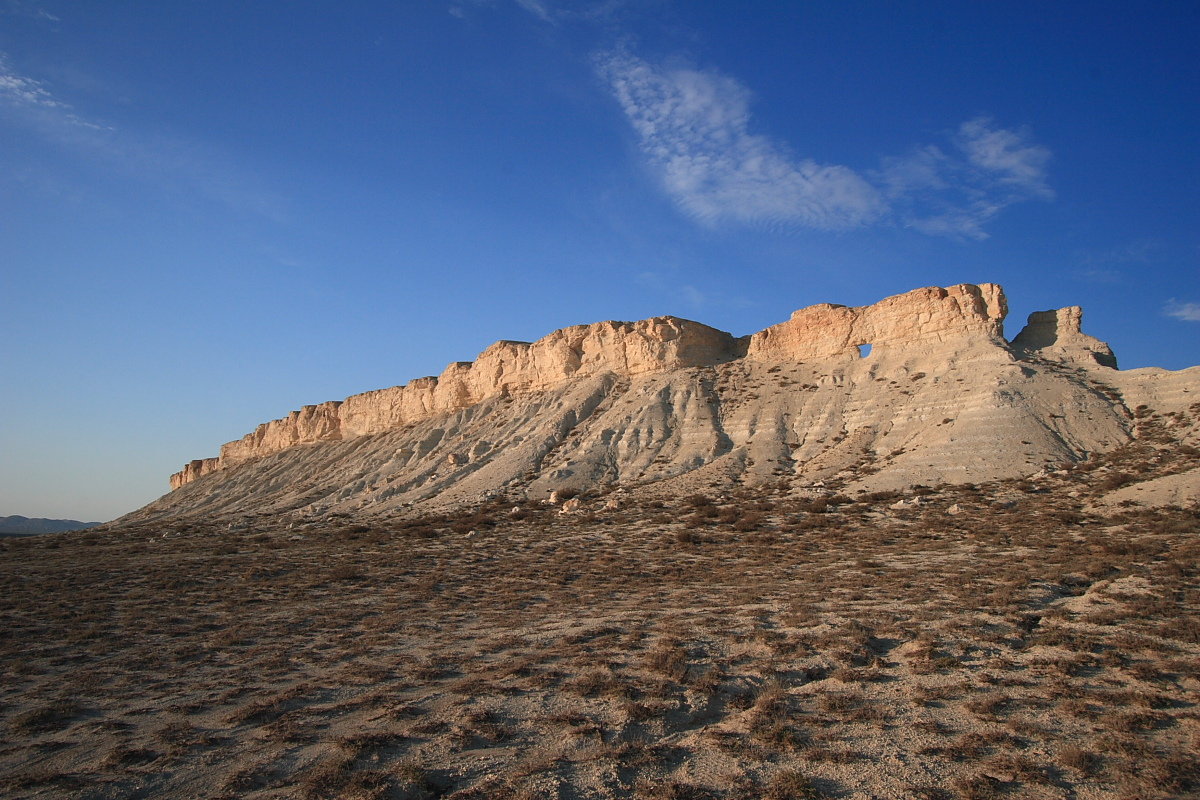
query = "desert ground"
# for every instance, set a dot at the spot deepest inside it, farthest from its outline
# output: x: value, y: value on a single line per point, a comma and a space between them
x: 1019, y: 638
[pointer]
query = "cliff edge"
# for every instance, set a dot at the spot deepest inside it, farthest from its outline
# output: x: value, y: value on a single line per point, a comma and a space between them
x: 926, y: 319
x: 671, y: 404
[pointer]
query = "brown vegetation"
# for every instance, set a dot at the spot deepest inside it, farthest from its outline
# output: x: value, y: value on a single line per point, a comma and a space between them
x: 714, y: 646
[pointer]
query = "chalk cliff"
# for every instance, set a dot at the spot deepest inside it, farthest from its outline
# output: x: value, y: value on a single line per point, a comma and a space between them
x: 925, y: 319
x: 1057, y: 335
x: 922, y: 320
x: 505, y: 368
x: 942, y: 396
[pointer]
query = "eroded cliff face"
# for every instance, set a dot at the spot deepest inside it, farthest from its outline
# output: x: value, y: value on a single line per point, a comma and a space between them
x: 509, y: 368
x: 505, y: 368
x: 319, y: 423
x: 919, y: 331
x: 921, y: 320
x: 194, y: 469
x: 1057, y: 335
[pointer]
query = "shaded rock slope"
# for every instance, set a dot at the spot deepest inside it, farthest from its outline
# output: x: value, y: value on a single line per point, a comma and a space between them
x: 667, y: 405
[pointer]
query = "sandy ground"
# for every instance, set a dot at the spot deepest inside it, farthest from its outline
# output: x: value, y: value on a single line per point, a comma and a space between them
x: 974, y: 642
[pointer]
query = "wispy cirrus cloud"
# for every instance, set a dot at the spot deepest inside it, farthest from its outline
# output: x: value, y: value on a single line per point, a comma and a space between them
x: 553, y: 12
x: 956, y: 191
x: 693, y: 127
x: 173, y: 163
x: 27, y: 95
x: 24, y: 91
x: 17, y: 8
x: 1005, y: 156
x: 1109, y: 265
x: 537, y: 8
x: 1188, y: 312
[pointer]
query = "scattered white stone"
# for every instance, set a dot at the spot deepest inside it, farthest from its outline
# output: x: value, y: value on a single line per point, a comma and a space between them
x: 955, y: 509
x: 910, y: 503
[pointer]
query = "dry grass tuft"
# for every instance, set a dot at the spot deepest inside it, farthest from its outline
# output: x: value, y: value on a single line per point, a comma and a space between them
x: 731, y: 644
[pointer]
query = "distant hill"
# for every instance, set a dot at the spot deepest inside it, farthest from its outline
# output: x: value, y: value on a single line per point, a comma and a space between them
x: 25, y: 525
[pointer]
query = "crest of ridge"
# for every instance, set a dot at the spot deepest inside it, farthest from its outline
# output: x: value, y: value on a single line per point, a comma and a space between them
x: 961, y: 317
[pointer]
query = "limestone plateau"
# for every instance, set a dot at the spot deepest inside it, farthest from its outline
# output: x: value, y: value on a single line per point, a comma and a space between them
x: 671, y: 405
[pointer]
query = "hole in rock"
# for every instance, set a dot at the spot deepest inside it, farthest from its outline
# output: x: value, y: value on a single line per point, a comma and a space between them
x: 864, y: 350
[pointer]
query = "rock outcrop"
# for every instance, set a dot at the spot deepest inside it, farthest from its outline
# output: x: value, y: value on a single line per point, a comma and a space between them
x: 942, y: 396
x: 1057, y: 335
x: 928, y: 319
x: 505, y: 368
x: 923, y: 319
x: 197, y: 468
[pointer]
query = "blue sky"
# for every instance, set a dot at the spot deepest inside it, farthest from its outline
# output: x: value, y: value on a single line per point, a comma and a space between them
x: 214, y: 212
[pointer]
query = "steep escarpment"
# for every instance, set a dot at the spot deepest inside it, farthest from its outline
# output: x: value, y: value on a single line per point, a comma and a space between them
x: 671, y: 405
x: 1057, y: 335
x: 505, y: 368
x: 921, y: 321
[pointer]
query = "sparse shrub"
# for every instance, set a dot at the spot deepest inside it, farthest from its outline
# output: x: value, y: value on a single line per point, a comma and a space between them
x: 345, y: 572
x: 122, y: 756
x: 791, y: 784
x: 749, y: 521
x: 978, y: 787
x: 669, y: 658
x: 1115, y: 481
x: 51, y: 717
x: 1079, y: 759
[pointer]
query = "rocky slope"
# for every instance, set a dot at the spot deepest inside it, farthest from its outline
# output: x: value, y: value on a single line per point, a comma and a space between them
x: 669, y: 405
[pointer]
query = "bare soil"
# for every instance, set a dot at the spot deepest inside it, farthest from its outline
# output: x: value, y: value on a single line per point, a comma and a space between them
x: 975, y: 642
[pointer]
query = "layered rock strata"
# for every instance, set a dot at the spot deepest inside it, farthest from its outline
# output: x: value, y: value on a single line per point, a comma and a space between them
x: 504, y: 368
x: 1057, y: 335
x: 942, y: 396
x: 921, y: 320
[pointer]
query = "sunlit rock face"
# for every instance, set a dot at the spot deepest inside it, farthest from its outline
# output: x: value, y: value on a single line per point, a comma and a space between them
x: 505, y: 368
x: 924, y: 320
x: 673, y: 404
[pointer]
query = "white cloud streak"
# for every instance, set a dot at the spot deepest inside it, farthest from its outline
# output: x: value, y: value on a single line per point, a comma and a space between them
x: 537, y: 8
x: 16, y: 8
x: 24, y: 91
x: 1007, y: 156
x: 956, y: 192
x: 693, y: 127
x: 24, y: 94
x: 170, y: 162
x: 1188, y: 312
